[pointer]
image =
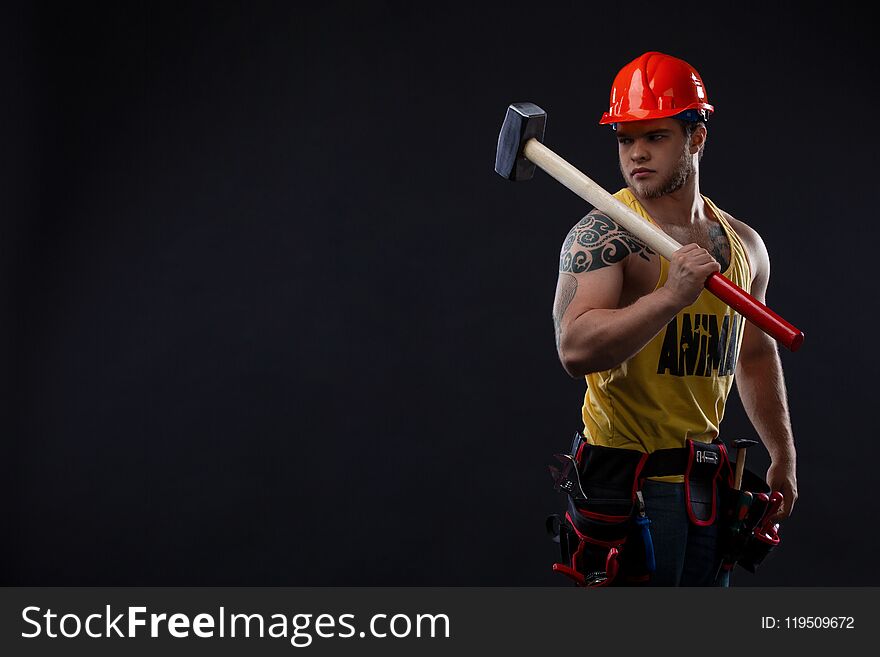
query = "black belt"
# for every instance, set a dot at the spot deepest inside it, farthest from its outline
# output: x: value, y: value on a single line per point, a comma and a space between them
x: 660, y: 463
x: 666, y: 462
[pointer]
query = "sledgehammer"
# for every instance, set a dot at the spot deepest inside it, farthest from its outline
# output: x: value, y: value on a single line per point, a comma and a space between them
x: 520, y: 150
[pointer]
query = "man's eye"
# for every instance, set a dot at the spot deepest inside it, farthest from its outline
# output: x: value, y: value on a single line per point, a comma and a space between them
x: 657, y: 137
x: 624, y: 140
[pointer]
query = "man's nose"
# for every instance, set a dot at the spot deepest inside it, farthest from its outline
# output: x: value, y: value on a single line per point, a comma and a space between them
x: 638, y: 152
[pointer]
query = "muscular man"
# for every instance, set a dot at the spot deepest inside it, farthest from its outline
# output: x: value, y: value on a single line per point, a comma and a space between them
x: 658, y: 351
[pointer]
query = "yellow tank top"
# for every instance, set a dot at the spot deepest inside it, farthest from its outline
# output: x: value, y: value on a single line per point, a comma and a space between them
x: 676, y: 386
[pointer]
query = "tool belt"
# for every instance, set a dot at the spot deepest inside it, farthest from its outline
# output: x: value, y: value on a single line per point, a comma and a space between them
x: 747, y: 533
x: 604, y: 535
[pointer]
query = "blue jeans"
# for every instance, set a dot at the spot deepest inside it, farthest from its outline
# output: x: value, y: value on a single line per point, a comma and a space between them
x: 686, y: 555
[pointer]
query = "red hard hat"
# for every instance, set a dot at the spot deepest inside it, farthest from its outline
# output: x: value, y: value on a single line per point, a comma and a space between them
x: 656, y: 86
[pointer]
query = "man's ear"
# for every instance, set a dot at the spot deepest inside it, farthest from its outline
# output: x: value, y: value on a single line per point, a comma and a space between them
x: 698, y: 138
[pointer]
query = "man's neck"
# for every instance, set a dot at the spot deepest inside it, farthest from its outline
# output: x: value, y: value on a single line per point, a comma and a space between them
x: 682, y: 207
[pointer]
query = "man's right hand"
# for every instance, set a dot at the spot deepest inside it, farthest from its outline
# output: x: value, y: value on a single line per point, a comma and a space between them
x: 689, y: 268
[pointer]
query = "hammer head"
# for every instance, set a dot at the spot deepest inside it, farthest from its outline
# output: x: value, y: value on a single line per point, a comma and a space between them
x: 522, y: 122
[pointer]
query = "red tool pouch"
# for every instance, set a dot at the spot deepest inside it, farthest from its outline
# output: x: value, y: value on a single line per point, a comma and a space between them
x: 746, y: 535
x: 707, y: 467
x: 599, y: 518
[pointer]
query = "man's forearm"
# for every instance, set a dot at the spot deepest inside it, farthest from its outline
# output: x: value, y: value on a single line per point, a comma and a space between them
x: 761, y: 387
x: 602, y: 338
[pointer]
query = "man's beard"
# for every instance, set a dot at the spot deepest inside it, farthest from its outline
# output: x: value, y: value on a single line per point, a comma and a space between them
x: 684, y: 168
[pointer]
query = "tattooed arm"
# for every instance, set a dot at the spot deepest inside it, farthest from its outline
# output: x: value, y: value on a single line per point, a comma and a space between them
x: 593, y: 332
x: 761, y: 385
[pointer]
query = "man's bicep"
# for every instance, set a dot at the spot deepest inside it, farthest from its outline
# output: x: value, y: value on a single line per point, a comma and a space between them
x: 756, y: 345
x: 578, y: 293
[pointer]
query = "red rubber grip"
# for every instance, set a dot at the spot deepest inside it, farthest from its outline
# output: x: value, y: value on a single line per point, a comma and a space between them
x: 755, y: 311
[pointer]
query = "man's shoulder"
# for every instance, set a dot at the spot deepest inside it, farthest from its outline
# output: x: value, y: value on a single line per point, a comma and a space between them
x: 597, y: 241
x: 756, y: 250
x: 595, y: 218
x: 750, y: 237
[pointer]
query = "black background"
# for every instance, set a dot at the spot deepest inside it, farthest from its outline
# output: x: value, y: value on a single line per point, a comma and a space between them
x: 270, y: 317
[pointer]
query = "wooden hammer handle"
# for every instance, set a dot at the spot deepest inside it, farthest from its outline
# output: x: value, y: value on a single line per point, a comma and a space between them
x: 740, y: 466
x: 734, y: 296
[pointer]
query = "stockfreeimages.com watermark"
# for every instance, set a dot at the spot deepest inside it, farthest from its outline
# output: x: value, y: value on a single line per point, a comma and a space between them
x: 299, y: 629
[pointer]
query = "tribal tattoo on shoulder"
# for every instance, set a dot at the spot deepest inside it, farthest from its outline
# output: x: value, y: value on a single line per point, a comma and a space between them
x: 596, y: 242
